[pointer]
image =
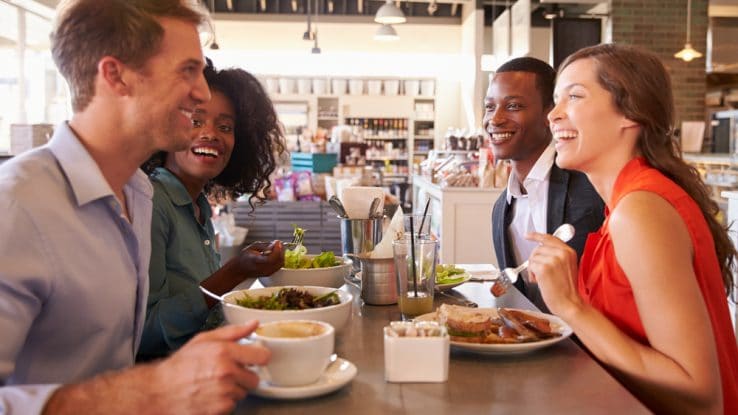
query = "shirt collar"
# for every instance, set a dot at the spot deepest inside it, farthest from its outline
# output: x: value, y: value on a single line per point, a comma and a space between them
x: 178, y: 193
x: 85, y: 178
x: 539, y: 173
x: 172, y: 186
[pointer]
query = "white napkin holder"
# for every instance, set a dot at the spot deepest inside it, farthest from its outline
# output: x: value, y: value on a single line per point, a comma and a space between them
x: 416, y: 359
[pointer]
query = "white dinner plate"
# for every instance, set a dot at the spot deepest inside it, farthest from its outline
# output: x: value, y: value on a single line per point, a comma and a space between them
x: 443, y: 287
x: 336, y: 376
x: 511, y: 348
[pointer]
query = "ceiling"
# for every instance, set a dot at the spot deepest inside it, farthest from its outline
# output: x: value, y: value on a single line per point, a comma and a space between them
x: 416, y: 8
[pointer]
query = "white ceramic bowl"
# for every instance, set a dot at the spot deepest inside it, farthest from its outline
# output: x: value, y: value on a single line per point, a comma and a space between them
x: 304, y: 86
x: 272, y: 85
x: 356, y: 86
x: 427, y: 87
x: 391, y: 86
x: 374, y: 87
x: 412, y: 87
x: 336, y: 315
x: 287, y: 85
x: 320, y: 277
x: 339, y: 86
x: 319, y: 86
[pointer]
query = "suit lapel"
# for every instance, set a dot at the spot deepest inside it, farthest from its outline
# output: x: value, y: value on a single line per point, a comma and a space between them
x: 557, y: 185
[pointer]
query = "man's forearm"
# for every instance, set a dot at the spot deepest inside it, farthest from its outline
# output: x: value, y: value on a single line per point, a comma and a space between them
x: 125, y: 392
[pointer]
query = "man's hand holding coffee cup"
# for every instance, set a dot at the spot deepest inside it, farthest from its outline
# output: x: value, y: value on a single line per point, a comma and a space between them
x: 212, y: 370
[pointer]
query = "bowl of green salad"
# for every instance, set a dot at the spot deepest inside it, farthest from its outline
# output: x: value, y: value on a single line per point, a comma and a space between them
x: 288, y: 303
x: 301, y: 268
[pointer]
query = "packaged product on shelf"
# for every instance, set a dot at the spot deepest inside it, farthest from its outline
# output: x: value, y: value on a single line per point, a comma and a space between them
x: 284, y: 188
x: 458, y: 173
x: 303, y: 183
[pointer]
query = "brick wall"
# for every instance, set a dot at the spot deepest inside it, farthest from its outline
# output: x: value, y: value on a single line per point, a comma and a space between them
x: 660, y: 26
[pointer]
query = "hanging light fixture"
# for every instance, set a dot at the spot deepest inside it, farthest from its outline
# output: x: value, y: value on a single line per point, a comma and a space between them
x: 308, y: 35
x: 316, y: 49
x: 386, y: 33
x: 688, y: 53
x: 389, y: 14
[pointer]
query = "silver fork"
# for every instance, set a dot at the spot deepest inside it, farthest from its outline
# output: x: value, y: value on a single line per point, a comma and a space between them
x: 296, y: 240
x: 505, y: 278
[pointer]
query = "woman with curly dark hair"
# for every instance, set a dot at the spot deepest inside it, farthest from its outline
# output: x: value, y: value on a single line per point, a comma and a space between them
x: 235, y: 140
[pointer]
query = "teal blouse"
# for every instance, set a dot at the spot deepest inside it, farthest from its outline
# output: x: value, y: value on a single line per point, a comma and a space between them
x: 183, y: 253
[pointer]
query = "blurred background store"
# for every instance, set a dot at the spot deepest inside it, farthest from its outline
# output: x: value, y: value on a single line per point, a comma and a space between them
x: 401, y: 105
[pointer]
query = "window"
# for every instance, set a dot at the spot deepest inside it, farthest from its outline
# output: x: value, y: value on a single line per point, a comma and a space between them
x: 31, y: 88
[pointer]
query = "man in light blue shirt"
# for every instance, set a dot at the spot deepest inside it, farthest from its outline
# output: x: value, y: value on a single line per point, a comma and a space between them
x: 75, y: 230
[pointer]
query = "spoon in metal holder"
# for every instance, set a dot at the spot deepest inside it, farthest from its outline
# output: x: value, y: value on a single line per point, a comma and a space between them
x: 373, y: 208
x: 505, y: 279
x: 337, y: 206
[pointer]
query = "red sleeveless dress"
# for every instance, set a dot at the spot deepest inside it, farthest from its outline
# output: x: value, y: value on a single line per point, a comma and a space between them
x: 603, y: 284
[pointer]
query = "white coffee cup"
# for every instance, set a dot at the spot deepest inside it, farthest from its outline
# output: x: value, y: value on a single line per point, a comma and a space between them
x: 301, y: 350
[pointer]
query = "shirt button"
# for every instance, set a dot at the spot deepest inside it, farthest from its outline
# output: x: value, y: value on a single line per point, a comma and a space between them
x: 207, y: 242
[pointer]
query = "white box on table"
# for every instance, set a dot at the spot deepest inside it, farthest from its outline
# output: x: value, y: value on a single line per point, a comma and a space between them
x: 415, y: 359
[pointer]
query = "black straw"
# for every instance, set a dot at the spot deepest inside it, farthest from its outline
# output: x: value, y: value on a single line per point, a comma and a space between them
x: 425, y: 213
x: 412, y: 255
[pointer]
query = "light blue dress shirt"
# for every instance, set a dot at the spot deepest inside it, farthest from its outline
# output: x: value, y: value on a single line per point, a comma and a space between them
x: 183, y: 254
x: 73, y: 271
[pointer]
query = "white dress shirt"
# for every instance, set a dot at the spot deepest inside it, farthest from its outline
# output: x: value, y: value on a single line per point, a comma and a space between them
x: 530, y: 208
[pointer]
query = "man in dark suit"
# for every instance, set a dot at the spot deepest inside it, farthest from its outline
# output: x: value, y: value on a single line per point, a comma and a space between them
x: 539, y: 196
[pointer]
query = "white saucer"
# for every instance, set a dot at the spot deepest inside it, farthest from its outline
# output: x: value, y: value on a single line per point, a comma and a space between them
x: 337, y: 375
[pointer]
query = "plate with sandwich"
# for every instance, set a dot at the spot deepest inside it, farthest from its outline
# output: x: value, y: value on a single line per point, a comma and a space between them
x: 449, y: 276
x: 499, y: 331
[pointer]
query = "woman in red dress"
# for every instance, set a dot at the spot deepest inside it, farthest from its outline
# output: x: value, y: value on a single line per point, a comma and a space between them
x: 649, y: 296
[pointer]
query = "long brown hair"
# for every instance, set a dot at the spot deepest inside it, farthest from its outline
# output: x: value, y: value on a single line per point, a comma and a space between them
x: 641, y: 90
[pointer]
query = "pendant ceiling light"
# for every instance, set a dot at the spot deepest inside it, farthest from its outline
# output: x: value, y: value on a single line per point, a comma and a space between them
x: 386, y: 33
x: 688, y: 53
x: 308, y: 35
x: 316, y: 49
x: 389, y: 14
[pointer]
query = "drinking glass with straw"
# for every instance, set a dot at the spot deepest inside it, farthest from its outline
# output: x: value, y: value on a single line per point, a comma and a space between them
x: 415, y: 260
x: 421, y: 222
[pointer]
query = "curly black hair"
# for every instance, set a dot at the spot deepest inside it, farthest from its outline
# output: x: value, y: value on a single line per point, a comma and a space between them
x: 259, y: 138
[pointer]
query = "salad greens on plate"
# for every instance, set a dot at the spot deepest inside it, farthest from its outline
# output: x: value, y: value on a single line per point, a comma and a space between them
x: 289, y: 299
x: 449, y: 274
x: 297, y: 258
